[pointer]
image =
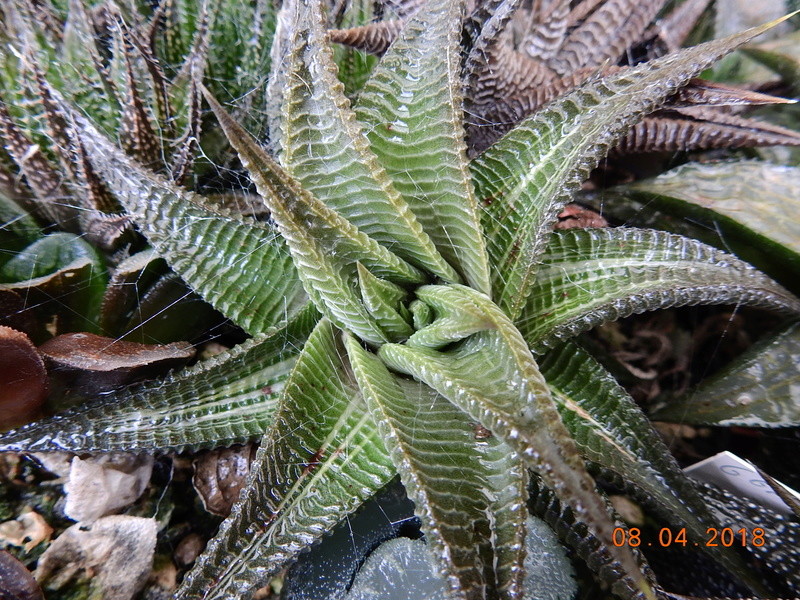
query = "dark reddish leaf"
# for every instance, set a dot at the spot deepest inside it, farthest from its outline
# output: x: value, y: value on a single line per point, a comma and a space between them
x: 16, y: 582
x: 23, y: 379
x: 669, y: 34
x: 701, y: 128
x: 91, y: 363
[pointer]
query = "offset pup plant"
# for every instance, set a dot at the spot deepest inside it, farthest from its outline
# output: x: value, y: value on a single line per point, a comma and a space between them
x: 411, y: 312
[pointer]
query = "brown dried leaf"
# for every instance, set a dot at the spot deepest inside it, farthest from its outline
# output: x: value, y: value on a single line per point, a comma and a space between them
x: 23, y: 379
x: 374, y: 38
x: 605, y: 34
x: 27, y: 531
x: 43, y: 178
x: 91, y: 363
x: 575, y: 216
x: 668, y: 34
x: 686, y: 129
x: 219, y: 476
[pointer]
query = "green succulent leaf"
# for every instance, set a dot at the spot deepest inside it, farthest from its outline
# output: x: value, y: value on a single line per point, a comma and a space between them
x: 17, y: 228
x: 450, y: 471
x: 325, y: 149
x: 239, y: 266
x: 612, y: 432
x: 748, y: 207
x: 81, y: 75
x: 431, y: 451
x: 320, y: 459
x: 324, y: 245
x: 227, y: 399
x: 574, y: 533
x: 526, y: 178
x: 383, y: 301
x: 590, y: 276
x: 411, y: 110
x: 59, y: 270
x: 759, y: 389
x: 511, y: 398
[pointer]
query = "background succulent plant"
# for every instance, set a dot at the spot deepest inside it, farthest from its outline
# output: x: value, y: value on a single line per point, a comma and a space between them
x: 411, y: 311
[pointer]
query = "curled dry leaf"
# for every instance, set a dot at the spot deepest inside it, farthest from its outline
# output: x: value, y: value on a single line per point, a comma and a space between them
x: 16, y: 582
x: 27, y: 531
x: 23, y: 379
x: 574, y: 216
x: 104, y: 484
x: 219, y: 476
x: 117, y: 550
x: 93, y: 363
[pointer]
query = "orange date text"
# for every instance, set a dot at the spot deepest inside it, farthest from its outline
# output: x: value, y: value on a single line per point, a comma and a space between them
x: 727, y: 536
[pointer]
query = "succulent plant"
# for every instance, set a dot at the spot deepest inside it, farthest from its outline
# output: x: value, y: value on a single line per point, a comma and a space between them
x: 411, y: 310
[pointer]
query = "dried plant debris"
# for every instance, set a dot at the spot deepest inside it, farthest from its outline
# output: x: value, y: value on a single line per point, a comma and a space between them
x: 105, y: 484
x: 219, y: 476
x: 23, y: 379
x: 92, y: 363
x: 16, y: 582
x: 551, y: 47
x: 115, y: 554
x: 27, y: 531
x: 576, y: 216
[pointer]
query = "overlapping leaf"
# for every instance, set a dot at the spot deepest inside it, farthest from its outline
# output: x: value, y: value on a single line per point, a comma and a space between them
x: 325, y: 149
x: 228, y: 399
x: 320, y: 459
x: 588, y: 277
x: 411, y: 110
x: 450, y: 475
x: 759, y: 389
x: 511, y: 398
x: 612, y: 432
x: 324, y: 245
x: 523, y: 184
x: 747, y: 207
x: 241, y: 267
x: 574, y: 533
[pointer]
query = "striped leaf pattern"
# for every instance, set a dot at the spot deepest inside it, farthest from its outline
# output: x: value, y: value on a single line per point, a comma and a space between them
x: 242, y: 268
x: 613, y: 433
x: 325, y: 149
x: 230, y: 398
x: 411, y: 110
x: 523, y: 185
x: 588, y: 277
x: 319, y: 460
